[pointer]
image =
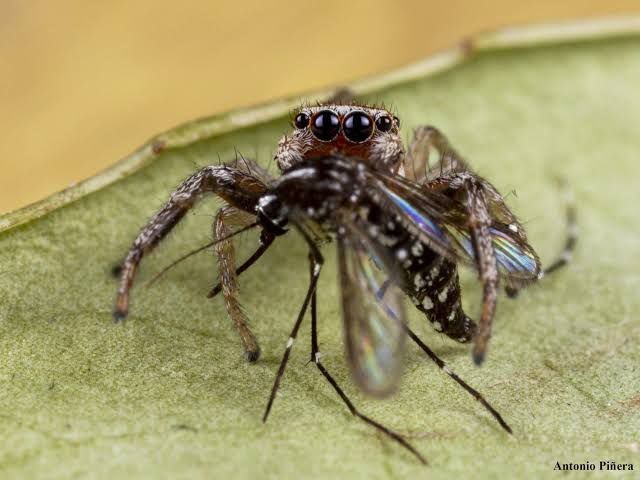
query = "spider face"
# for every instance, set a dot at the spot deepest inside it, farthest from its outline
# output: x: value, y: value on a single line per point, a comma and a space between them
x: 361, y: 131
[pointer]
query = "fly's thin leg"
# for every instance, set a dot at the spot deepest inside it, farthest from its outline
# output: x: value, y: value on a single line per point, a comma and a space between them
x: 317, y: 261
x: 225, y: 218
x: 236, y: 187
x: 315, y: 358
x: 266, y: 239
x: 416, y: 165
x: 473, y: 392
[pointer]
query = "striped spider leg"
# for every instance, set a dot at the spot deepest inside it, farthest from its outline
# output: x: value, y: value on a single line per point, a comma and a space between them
x: 490, y: 221
x: 240, y: 184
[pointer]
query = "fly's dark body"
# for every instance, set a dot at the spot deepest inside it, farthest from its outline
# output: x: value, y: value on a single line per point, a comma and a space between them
x: 402, y: 224
x: 321, y: 187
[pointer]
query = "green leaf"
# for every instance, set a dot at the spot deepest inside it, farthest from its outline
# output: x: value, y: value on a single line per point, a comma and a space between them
x: 168, y: 393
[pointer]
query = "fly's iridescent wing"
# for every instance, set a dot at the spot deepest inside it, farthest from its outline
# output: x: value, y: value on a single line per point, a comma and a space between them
x: 423, y: 212
x: 442, y: 223
x: 372, y: 310
x: 517, y: 261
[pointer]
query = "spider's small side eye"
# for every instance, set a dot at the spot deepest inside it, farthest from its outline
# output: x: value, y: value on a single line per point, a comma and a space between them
x: 325, y: 125
x: 301, y: 121
x: 397, y: 120
x: 384, y: 123
x: 357, y: 127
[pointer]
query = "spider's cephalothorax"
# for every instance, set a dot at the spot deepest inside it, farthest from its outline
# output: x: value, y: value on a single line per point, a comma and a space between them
x: 402, y: 224
x: 360, y: 131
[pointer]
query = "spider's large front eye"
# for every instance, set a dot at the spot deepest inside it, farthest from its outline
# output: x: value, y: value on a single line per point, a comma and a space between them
x: 357, y: 127
x: 301, y: 121
x: 325, y: 125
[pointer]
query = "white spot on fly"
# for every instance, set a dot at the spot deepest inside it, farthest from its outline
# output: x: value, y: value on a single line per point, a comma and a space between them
x: 437, y: 326
x: 427, y: 304
x: 513, y: 227
x: 417, y: 250
x: 301, y: 173
x: 402, y: 254
x: 386, y: 241
x: 290, y: 342
x: 435, y: 271
x: 418, y: 281
x: 442, y: 296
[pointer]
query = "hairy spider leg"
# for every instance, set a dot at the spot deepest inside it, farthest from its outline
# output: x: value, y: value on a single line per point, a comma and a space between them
x: 226, y: 217
x: 416, y: 165
x: 315, y: 358
x: 479, y: 223
x: 266, y: 239
x: 240, y: 189
x: 436, y: 285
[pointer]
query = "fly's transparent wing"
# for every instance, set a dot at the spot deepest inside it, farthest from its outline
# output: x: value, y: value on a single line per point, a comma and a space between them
x: 372, y: 311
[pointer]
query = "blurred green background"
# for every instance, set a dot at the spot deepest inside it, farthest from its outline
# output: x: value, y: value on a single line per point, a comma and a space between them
x: 84, y: 83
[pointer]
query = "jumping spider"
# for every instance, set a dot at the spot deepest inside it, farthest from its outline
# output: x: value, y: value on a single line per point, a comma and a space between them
x: 402, y: 224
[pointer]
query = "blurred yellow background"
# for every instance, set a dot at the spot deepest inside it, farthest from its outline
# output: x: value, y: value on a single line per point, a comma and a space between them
x: 83, y: 83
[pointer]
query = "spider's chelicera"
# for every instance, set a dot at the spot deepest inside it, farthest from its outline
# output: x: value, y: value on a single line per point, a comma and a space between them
x: 402, y: 223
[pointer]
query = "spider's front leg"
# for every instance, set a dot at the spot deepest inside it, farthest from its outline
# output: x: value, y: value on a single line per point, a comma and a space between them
x: 416, y: 165
x: 226, y: 217
x: 452, y: 168
x: 238, y: 188
x: 479, y: 220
